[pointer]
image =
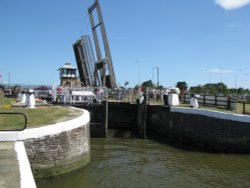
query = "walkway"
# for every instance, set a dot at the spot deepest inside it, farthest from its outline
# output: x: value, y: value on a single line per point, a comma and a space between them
x: 15, y: 170
x: 9, y: 166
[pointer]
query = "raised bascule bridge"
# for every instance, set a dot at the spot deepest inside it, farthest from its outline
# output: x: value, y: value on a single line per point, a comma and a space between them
x: 95, y: 67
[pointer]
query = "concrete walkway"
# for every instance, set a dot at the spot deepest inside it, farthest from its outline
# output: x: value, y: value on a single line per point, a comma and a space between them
x: 9, y: 166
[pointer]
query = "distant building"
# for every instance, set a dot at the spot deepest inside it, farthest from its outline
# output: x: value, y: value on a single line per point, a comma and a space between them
x: 68, y: 76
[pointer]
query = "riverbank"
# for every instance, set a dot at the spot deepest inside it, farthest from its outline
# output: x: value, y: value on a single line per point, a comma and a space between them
x: 65, y: 146
x: 57, y: 148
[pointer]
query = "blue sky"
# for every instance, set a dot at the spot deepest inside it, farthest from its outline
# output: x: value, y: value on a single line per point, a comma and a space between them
x: 196, y: 41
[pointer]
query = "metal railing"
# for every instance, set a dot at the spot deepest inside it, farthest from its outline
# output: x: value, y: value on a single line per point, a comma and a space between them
x: 11, y: 114
x: 230, y: 103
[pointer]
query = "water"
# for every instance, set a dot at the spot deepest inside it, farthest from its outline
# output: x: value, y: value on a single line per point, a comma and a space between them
x: 122, y: 163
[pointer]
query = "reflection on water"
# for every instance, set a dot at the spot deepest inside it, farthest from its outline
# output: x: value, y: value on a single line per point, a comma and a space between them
x: 121, y: 162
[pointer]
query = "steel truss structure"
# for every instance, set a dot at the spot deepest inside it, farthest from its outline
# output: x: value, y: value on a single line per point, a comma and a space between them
x: 95, y: 73
x: 85, y: 62
x: 103, y: 65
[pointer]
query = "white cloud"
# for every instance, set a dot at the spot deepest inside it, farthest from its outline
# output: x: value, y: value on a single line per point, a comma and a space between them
x: 232, y: 4
x: 237, y: 26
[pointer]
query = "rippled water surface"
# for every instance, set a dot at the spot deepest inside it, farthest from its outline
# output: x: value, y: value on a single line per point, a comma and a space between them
x: 121, y: 162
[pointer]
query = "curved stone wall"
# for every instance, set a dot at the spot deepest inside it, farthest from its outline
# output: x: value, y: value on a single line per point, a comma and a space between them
x: 55, y: 149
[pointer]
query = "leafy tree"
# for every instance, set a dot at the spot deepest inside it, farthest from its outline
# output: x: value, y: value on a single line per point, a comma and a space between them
x: 212, y: 89
x: 222, y: 88
x: 146, y: 84
x: 136, y: 86
x: 182, y: 86
x: 160, y: 87
x: 240, y: 90
x: 197, y: 89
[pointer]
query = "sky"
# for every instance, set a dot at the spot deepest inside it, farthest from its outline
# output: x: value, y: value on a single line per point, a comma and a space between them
x: 194, y: 41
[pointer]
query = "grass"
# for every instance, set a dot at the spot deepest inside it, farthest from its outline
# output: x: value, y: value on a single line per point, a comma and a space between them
x: 238, y: 109
x: 41, y: 115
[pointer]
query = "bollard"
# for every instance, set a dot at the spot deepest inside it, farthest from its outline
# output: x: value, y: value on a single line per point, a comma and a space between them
x: 30, y: 101
x: 23, y: 97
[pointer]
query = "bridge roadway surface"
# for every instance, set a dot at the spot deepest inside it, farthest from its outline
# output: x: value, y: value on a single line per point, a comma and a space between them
x: 9, y: 166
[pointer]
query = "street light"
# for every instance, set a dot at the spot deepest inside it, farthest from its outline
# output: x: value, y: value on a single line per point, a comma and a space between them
x: 246, y: 80
x: 220, y: 75
x: 236, y: 78
x: 153, y: 74
x: 9, y: 78
x: 138, y: 79
x: 209, y: 75
x: 138, y: 72
x: 158, y: 72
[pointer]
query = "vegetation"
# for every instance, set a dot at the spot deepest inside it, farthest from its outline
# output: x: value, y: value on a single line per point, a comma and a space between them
x: 38, y: 116
x: 149, y: 84
x: 218, y: 88
x: 213, y: 89
x: 182, y: 86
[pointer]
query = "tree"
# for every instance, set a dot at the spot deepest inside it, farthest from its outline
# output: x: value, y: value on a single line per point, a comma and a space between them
x: 212, y: 89
x: 222, y: 88
x: 182, y: 86
x: 197, y: 89
x: 146, y: 84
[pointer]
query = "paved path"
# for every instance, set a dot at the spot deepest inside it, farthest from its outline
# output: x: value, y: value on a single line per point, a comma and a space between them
x: 9, y: 166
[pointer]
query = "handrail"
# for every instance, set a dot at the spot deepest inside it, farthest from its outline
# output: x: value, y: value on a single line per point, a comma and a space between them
x: 218, y: 102
x: 16, y: 113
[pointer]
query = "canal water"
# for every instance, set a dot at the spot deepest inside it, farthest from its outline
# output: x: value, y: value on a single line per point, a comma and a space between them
x: 138, y: 163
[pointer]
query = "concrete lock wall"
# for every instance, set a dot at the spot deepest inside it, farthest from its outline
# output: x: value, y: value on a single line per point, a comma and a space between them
x: 55, y: 149
x: 204, y: 128
x: 108, y: 115
x: 122, y: 116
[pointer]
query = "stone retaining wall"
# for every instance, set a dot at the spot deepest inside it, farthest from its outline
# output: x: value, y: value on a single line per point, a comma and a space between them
x: 55, y: 149
x: 212, y: 130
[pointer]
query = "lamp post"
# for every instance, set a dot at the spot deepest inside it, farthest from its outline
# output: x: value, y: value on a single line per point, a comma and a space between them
x: 9, y: 78
x: 209, y: 75
x: 153, y: 74
x: 236, y: 78
x: 158, y: 71
x: 247, y: 80
x: 138, y: 78
x: 138, y: 72
x: 220, y: 75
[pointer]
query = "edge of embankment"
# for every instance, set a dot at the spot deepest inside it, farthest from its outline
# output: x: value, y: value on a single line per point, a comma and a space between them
x: 52, y: 149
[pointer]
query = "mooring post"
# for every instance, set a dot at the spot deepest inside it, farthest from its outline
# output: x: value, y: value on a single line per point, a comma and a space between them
x: 141, y: 118
x: 105, y: 117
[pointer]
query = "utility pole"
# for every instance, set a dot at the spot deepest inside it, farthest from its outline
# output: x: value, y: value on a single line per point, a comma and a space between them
x: 9, y: 78
x: 220, y: 75
x: 139, y: 72
x: 153, y: 75
x: 158, y: 71
x: 158, y: 74
x: 236, y: 78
